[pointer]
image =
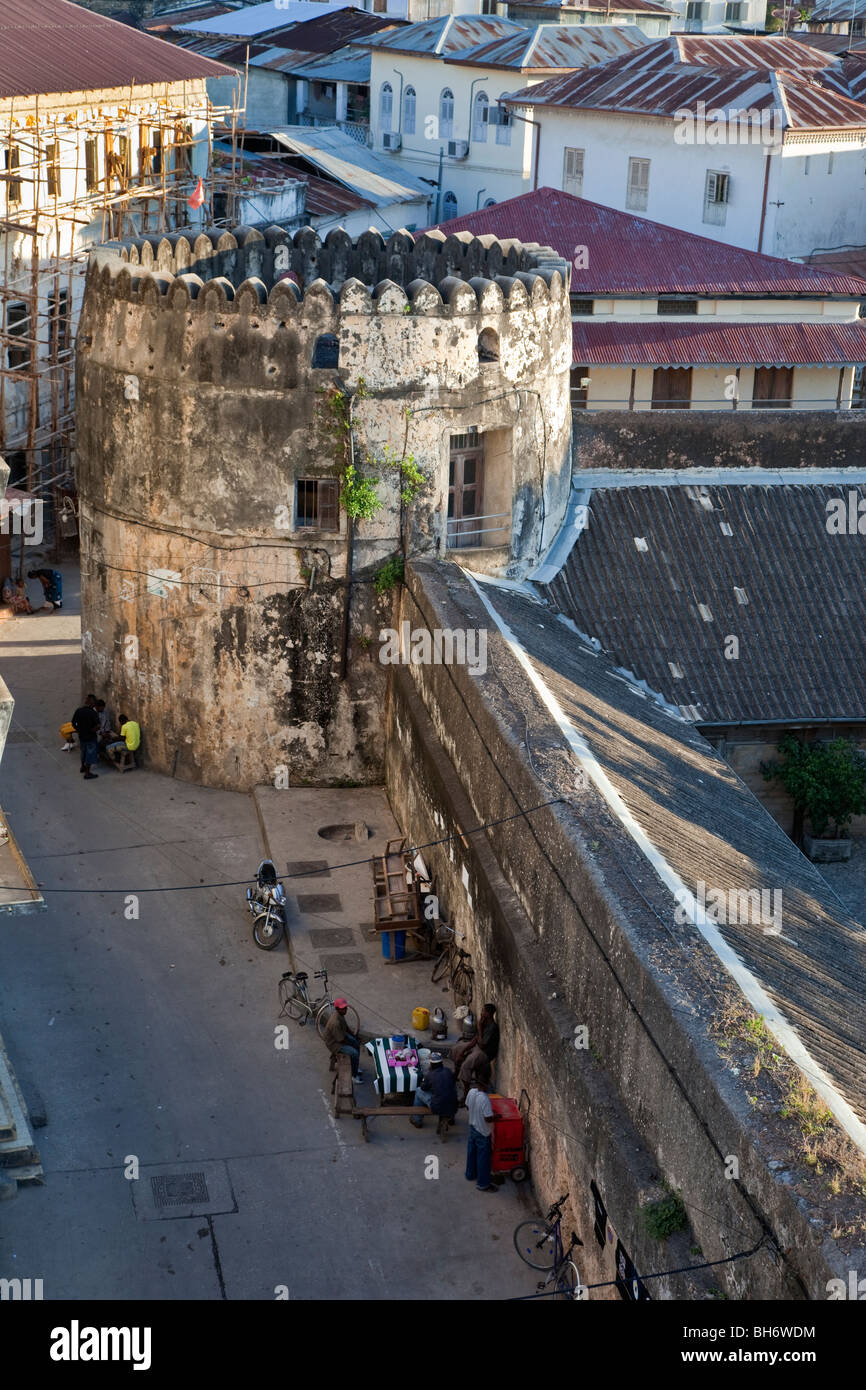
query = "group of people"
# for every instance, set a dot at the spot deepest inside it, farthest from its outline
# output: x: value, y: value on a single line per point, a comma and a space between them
x: 44, y: 590
x: 93, y: 725
x: 438, y: 1088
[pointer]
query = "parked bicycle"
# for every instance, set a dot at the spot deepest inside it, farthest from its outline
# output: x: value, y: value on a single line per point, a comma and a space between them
x: 296, y: 1003
x: 539, y: 1244
x: 453, y: 961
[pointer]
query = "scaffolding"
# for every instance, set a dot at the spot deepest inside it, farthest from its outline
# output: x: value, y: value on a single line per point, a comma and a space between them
x: 85, y: 169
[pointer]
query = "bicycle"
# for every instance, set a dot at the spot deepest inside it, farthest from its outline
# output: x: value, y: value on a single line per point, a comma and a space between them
x: 539, y: 1244
x: 295, y: 1002
x: 454, y: 962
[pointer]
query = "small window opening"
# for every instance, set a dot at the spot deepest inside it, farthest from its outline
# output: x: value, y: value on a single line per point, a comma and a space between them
x: 326, y: 352
x: 488, y: 346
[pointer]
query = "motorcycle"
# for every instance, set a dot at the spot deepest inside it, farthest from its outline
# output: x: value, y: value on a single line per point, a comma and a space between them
x: 267, y: 904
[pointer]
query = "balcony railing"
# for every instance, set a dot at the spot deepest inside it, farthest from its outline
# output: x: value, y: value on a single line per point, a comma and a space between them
x: 464, y: 532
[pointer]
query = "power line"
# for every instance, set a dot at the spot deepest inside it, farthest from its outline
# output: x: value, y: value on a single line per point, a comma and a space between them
x: 307, y: 873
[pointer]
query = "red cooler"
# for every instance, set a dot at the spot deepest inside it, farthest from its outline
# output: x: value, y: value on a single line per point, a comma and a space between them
x: 508, y: 1155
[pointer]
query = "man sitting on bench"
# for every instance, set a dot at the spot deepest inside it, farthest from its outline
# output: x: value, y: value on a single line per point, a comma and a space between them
x: 438, y: 1091
x: 338, y: 1039
x: 129, y: 740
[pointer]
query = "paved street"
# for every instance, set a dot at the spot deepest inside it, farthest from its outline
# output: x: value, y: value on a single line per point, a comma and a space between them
x: 153, y: 1039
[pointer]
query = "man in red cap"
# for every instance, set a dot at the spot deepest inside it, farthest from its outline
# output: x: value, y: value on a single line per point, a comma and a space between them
x: 339, y: 1039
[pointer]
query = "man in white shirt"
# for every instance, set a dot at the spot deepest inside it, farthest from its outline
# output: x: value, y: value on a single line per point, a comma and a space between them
x: 481, y: 1122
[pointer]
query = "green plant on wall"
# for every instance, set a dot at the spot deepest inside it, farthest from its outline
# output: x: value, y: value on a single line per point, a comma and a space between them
x: 826, y: 781
x: 665, y: 1217
x: 390, y: 574
x: 358, y: 494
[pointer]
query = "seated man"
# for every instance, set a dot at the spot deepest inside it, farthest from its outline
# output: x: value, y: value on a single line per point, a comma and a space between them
x: 129, y: 737
x: 483, y: 1047
x: 104, y: 734
x: 338, y: 1038
x: 438, y: 1091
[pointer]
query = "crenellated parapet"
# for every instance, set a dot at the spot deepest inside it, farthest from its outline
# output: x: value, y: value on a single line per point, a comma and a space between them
x: 277, y: 273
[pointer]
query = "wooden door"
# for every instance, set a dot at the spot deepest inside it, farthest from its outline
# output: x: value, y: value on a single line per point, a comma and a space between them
x: 465, y: 493
x: 672, y: 388
x: 773, y: 389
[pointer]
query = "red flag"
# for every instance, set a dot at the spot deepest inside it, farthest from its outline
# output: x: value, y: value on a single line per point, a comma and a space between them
x: 197, y: 197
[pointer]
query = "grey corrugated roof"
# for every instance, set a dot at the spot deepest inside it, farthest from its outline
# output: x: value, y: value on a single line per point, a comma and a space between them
x: 351, y: 164
x: 349, y: 64
x: 448, y: 34
x: 707, y: 825
x: 653, y: 562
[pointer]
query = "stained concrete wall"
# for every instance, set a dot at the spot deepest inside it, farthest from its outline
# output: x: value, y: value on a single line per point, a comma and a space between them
x: 719, y: 439
x: 199, y: 409
x: 613, y: 1114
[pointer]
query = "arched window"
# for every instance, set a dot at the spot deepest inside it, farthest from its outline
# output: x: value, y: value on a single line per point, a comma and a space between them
x: 503, y: 123
x: 326, y: 352
x: 409, y: 111
x: 490, y: 202
x: 386, y: 106
x: 449, y: 205
x: 446, y: 115
x: 488, y: 345
x: 480, y: 115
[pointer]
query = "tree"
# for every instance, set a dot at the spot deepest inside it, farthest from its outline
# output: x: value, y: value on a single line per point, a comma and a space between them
x: 826, y: 782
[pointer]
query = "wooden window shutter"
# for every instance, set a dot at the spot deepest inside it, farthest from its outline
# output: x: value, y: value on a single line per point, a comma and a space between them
x: 329, y: 504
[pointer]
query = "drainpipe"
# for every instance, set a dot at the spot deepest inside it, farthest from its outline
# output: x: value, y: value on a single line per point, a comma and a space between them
x: 478, y: 199
x: 764, y: 202
x: 350, y: 540
x: 399, y: 102
x: 437, y: 219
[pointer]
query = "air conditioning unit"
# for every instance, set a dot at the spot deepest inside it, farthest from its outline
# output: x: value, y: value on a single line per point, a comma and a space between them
x: 458, y: 149
x: 392, y: 140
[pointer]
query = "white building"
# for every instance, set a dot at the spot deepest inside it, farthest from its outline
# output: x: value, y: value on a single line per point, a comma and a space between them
x: 653, y: 19
x: 717, y: 16
x: 663, y: 320
x: 105, y: 132
x: 436, y: 99
x: 753, y: 141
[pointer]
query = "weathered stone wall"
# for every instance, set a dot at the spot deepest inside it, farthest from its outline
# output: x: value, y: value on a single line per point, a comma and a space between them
x: 613, y: 1114
x: 199, y: 407
x: 719, y: 439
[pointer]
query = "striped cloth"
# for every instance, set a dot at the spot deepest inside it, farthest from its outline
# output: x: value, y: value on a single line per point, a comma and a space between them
x: 390, y: 1081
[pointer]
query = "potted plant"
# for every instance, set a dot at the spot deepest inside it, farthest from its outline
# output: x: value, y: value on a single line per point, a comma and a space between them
x: 827, y: 784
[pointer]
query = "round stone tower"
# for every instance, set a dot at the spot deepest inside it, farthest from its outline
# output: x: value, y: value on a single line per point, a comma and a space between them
x: 228, y: 603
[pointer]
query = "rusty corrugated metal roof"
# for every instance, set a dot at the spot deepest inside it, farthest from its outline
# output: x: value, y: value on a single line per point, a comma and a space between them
x: 332, y: 30
x: 447, y: 34
x: 56, y: 46
x: 633, y: 256
x: 745, y: 51
x: 658, y: 81
x: 161, y: 23
x: 664, y: 343
x: 562, y: 46
x: 626, y: 7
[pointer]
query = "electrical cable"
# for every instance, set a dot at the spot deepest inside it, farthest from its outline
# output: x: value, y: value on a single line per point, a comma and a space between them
x: 308, y: 873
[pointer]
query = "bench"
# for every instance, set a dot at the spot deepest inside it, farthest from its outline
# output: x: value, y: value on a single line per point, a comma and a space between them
x: 122, y: 759
x: 342, y: 1088
x: 367, y: 1113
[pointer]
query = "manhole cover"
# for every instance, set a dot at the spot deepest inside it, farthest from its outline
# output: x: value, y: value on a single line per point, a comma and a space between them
x: 313, y: 868
x: 171, y: 1192
x: 179, y: 1189
x: 319, y: 902
x: 345, y: 832
x: 344, y: 965
x: 331, y: 936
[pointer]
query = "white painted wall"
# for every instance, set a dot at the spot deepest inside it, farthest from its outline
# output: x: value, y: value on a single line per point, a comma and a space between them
x: 814, y: 388
x: 803, y: 211
x: 501, y: 170
x: 715, y: 13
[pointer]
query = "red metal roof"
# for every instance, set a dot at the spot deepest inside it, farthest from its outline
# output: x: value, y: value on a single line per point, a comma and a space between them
x: 630, y: 255
x: 55, y: 46
x: 168, y: 18
x: 811, y: 90
x: 332, y: 31
x: 663, y: 343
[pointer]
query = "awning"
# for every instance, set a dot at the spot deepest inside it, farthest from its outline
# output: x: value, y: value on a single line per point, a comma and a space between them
x: 662, y: 343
